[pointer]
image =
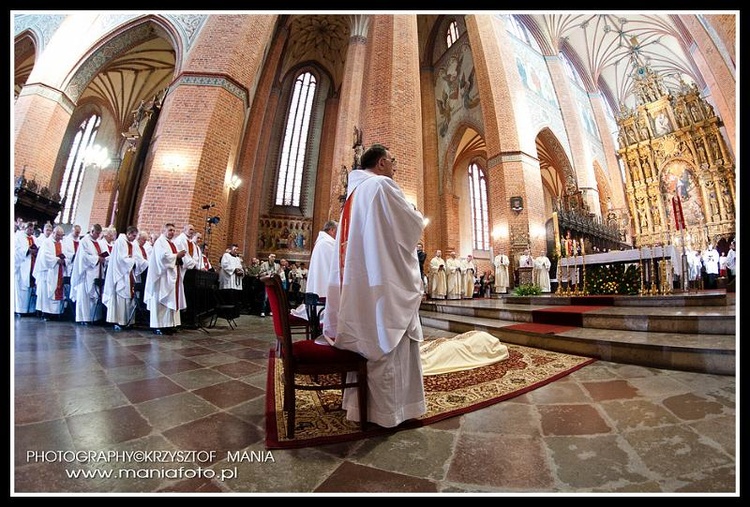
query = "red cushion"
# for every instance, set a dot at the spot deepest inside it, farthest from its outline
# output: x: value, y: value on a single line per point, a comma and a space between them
x: 309, y: 352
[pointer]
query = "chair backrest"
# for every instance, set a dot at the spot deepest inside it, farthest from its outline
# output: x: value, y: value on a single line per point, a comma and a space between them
x: 280, y: 310
x: 313, y: 317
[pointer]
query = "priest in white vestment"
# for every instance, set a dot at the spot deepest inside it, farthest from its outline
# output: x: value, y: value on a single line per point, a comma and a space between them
x: 375, y: 291
x: 25, y: 252
x: 49, y: 270
x: 186, y: 241
x: 438, y: 277
x: 540, y: 273
x: 87, y: 277
x: 469, y: 272
x: 453, y: 274
x: 119, y: 283
x: 70, y: 246
x: 501, y: 263
x: 164, y: 292
x: 320, y: 265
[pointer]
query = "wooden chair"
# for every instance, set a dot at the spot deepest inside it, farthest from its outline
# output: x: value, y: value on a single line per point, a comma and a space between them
x: 314, y: 306
x: 305, y: 357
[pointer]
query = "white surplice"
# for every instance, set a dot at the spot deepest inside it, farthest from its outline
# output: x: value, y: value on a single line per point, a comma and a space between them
x: 375, y: 309
x: 119, y: 284
x: 87, y: 268
x: 164, y: 292
x: 320, y: 268
x: 49, y: 272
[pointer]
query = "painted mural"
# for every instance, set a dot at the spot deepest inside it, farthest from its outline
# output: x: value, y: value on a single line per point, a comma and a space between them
x: 678, y: 179
x: 455, y: 90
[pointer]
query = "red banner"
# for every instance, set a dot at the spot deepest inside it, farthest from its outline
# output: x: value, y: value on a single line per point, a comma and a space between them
x: 679, y: 219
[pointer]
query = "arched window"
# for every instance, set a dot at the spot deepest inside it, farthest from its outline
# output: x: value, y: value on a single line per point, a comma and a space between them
x: 292, y: 162
x: 70, y: 189
x: 480, y: 221
x: 452, y: 35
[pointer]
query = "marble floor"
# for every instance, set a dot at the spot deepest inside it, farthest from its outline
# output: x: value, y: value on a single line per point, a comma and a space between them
x: 97, y: 411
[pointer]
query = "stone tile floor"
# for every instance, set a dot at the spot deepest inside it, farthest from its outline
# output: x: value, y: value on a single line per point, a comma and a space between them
x: 607, y: 428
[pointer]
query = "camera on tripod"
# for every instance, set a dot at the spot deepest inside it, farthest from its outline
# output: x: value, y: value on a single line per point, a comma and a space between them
x: 213, y: 220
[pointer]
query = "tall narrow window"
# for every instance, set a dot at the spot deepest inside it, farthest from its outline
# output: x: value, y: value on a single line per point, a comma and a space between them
x: 75, y: 167
x: 452, y: 35
x: 292, y: 163
x: 480, y: 221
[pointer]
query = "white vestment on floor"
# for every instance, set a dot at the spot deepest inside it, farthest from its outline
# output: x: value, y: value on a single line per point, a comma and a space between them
x: 460, y: 353
x: 373, y: 306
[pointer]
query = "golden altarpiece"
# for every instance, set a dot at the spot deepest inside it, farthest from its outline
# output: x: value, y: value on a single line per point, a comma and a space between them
x: 671, y: 146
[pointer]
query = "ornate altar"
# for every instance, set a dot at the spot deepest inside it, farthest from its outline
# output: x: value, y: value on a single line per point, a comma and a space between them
x: 671, y: 146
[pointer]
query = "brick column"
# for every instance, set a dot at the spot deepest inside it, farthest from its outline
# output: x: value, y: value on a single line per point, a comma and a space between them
x: 349, y: 110
x: 512, y: 166
x: 391, y: 112
x: 197, y: 141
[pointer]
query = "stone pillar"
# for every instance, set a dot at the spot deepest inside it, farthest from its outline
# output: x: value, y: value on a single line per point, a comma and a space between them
x: 390, y: 107
x: 349, y: 110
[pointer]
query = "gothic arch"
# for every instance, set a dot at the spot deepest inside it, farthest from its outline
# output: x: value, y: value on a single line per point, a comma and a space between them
x: 117, y: 42
x: 24, y: 49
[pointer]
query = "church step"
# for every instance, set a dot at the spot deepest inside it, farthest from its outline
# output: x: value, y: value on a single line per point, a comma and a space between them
x: 701, y: 352
x: 677, y: 314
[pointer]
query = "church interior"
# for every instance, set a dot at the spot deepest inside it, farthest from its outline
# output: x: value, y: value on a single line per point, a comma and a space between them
x: 586, y: 138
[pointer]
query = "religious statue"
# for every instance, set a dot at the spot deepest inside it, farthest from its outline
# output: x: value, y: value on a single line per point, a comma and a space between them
x: 358, y: 148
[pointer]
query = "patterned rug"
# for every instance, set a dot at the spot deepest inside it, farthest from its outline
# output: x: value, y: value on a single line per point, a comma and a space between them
x: 320, y: 419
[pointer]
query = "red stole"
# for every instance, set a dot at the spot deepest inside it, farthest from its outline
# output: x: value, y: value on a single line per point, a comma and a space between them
x: 60, y: 268
x: 190, y: 247
x: 131, y: 275
x: 143, y: 252
x: 346, y: 215
x: 99, y: 252
x: 177, y: 282
x: 30, y: 239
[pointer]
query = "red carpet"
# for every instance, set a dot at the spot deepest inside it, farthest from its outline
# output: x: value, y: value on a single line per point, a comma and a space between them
x: 571, y: 315
x: 320, y: 419
x: 539, y: 328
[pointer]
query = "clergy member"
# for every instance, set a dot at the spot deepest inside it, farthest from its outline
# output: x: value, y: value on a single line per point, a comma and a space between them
x: 119, y: 285
x: 501, y: 263
x: 25, y: 253
x: 87, y: 277
x: 374, y: 291
x: 164, y: 293
x: 320, y: 265
x: 438, y: 285
x: 49, y: 271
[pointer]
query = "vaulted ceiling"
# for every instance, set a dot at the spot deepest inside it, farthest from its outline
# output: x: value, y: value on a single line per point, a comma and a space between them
x: 600, y: 46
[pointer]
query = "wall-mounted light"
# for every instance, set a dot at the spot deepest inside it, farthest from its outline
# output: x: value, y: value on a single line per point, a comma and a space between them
x: 235, y: 182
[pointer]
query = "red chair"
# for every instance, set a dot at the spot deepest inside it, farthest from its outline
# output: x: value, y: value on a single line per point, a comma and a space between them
x: 305, y: 357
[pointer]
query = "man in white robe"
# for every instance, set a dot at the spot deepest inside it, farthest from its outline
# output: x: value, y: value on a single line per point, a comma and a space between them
x: 438, y: 277
x: 49, y: 271
x: 501, y: 263
x: 268, y: 268
x: 540, y: 273
x: 185, y: 241
x: 453, y: 273
x: 374, y: 291
x: 231, y: 275
x: 469, y: 272
x: 119, y: 284
x: 164, y: 292
x: 320, y: 265
x: 25, y: 252
x: 87, y: 277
